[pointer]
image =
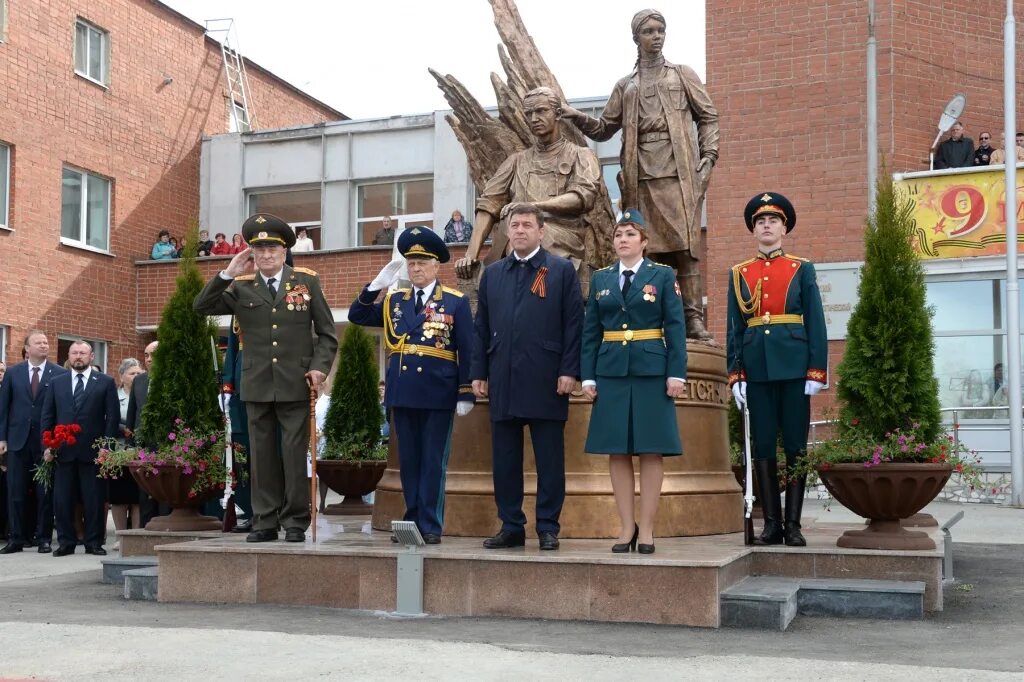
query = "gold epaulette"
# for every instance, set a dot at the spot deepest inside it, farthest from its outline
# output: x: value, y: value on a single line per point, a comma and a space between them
x: 805, y: 260
x: 660, y: 265
x: 607, y: 268
x: 453, y: 292
x: 746, y: 262
x: 245, y: 278
x: 305, y: 271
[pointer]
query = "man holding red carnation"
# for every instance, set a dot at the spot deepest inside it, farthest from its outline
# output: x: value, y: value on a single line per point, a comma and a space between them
x: 88, y: 399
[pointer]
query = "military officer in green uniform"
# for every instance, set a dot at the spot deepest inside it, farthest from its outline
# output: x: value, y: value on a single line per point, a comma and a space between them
x: 278, y: 309
x: 778, y: 357
x: 633, y: 364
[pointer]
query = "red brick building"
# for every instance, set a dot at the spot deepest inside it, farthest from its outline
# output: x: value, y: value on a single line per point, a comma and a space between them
x: 103, y: 105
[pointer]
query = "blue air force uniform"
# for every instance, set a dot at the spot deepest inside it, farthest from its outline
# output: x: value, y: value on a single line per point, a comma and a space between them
x: 428, y: 374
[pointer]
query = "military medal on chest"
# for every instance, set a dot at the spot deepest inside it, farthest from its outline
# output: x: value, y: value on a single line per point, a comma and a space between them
x: 297, y: 297
x: 650, y: 293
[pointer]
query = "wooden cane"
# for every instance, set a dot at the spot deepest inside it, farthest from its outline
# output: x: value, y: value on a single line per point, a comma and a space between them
x: 312, y: 451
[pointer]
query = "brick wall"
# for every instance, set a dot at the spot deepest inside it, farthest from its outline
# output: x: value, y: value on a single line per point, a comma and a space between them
x: 138, y: 132
x: 789, y: 82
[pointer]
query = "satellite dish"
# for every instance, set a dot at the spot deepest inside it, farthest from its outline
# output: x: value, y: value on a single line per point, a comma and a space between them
x: 953, y: 111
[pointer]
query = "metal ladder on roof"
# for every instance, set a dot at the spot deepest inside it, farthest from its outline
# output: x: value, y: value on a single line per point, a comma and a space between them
x: 225, y: 32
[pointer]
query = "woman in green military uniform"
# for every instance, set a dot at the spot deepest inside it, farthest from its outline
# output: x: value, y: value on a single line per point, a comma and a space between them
x: 633, y: 367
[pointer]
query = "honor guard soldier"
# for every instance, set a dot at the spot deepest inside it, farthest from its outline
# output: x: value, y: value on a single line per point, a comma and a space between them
x: 428, y: 332
x: 279, y: 309
x: 778, y: 355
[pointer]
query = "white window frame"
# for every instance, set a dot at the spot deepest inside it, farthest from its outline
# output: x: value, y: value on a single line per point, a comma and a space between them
x: 99, y: 347
x: 399, y: 220
x: 3, y: 21
x: 5, y: 332
x: 104, y: 37
x: 82, y: 242
x: 238, y: 120
x: 5, y: 196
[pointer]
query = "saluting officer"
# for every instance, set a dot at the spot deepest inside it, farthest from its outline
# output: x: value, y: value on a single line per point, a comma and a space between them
x: 278, y: 309
x: 428, y: 332
x: 778, y: 355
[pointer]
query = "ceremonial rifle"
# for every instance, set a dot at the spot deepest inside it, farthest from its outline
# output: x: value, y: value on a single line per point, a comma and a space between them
x: 748, y: 492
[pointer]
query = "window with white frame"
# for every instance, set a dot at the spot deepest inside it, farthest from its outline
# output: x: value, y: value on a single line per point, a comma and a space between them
x: 98, y: 347
x: 300, y: 208
x: 5, y: 333
x: 85, y: 210
x: 409, y: 202
x: 5, y: 185
x: 3, y: 20
x: 92, y: 52
x: 238, y: 118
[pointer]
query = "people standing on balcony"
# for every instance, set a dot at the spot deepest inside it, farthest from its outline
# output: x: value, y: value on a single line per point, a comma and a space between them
x: 955, y: 152
x: 303, y: 244
x: 385, y: 235
x: 205, y: 245
x: 457, y: 230
x: 164, y: 249
x: 220, y: 245
x: 999, y: 155
x: 777, y: 354
x: 633, y: 365
x: 238, y: 244
x: 526, y: 361
x: 983, y: 154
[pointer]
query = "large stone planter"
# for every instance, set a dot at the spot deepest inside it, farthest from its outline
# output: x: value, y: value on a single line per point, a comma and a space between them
x: 884, y: 494
x: 351, y: 479
x: 170, y: 486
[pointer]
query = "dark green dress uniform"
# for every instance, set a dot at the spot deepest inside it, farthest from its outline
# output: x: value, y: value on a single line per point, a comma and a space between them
x: 280, y: 348
x: 630, y: 347
x: 776, y: 342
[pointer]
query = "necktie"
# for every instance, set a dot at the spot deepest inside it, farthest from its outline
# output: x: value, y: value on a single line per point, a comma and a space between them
x: 79, y: 390
x: 35, y: 382
x: 627, y: 280
x: 273, y: 289
x: 419, y: 301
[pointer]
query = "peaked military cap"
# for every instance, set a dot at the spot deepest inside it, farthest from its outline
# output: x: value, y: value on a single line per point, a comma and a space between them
x: 771, y: 203
x: 633, y: 216
x: 264, y: 228
x: 422, y: 242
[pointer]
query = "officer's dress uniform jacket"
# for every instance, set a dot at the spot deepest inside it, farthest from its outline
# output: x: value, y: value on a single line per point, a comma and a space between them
x: 630, y: 347
x: 428, y: 373
x: 279, y: 350
x: 776, y: 342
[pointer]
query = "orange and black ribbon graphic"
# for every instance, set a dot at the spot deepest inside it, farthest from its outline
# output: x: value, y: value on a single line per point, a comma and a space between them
x: 538, y: 287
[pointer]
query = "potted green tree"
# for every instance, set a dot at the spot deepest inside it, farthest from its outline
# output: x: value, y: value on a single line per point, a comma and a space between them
x: 180, y: 460
x: 353, y: 458
x: 890, y: 456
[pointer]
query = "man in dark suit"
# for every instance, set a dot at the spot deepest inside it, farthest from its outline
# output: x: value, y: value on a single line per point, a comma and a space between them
x: 148, y: 507
x: 88, y: 398
x: 21, y: 401
x: 527, y: 361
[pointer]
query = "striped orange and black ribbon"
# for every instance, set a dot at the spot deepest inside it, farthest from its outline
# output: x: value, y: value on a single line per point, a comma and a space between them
x: 538, y: 287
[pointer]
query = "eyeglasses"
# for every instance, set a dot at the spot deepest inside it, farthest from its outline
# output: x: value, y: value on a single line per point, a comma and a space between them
x: 984, y: 137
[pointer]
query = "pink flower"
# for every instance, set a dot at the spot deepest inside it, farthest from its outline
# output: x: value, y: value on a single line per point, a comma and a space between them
x: 172, y: 436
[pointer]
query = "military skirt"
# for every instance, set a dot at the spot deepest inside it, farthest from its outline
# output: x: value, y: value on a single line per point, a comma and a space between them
x: 633, y: 416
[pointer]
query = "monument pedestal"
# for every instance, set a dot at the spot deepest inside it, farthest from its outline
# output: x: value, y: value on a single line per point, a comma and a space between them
x: 699, y: 495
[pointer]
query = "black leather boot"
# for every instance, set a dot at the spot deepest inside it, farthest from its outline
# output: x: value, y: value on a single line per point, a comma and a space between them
x: 768, y: 489
x: 795, y: 489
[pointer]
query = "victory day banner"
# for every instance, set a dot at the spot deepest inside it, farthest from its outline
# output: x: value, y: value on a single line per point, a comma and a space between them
x: 960, y: 215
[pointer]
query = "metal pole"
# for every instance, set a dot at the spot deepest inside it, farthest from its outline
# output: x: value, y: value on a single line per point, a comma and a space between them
x: 872, y: 137
x: 1013, y: 360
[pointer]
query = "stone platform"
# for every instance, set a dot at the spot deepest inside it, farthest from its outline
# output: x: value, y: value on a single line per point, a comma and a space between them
x: 354, y: 567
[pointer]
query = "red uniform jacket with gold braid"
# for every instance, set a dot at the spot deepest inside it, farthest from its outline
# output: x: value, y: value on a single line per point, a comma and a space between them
x: 776, y: 324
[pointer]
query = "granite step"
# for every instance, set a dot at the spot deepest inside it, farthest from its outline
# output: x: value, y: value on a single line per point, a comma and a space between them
x: 773, y: 602
x: 140, y: 584
x: 114, y: 568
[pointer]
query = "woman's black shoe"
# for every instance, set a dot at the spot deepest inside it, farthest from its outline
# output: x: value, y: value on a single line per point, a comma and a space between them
x: 623, y: 547
x: 645, y: 549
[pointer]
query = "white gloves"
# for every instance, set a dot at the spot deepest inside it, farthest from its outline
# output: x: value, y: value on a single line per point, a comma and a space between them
x: 739, y: 393
x: 812, y: 387
x: 387, y: 276
x: 222, y: 401
x: 463, y: 407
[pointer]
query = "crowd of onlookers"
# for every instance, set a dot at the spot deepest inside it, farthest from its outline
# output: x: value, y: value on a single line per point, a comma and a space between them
x: 457, y: 231
x: 958, y: 150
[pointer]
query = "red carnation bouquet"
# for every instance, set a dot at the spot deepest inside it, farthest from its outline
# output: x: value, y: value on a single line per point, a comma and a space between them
x: 62, y: 434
